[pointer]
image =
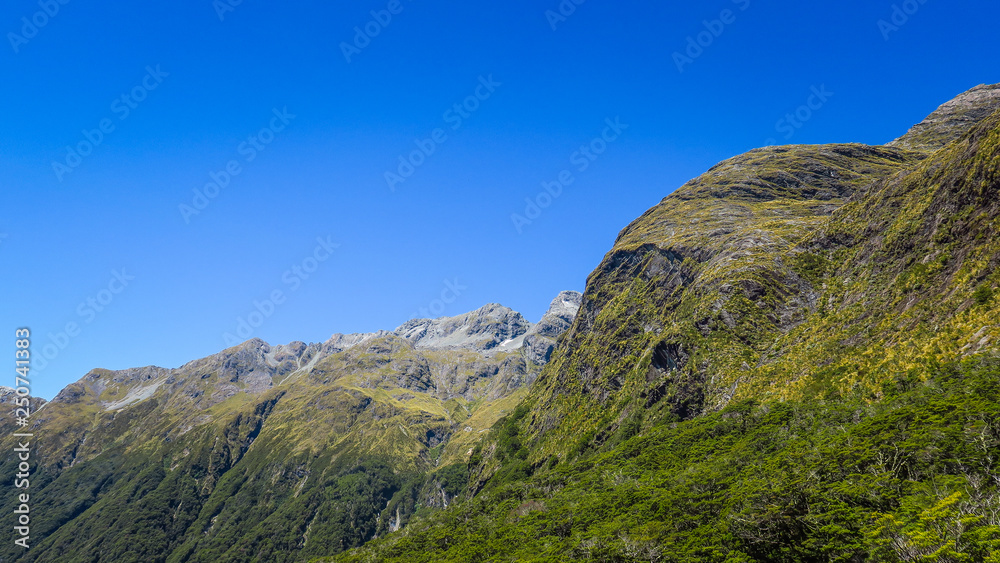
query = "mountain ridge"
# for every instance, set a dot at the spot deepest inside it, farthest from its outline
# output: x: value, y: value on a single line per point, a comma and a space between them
x: 315, y: 417
x: 492, y: 323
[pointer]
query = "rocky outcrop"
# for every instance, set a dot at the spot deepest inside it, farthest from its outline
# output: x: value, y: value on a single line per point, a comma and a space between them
x: 340, y: 342
x: 952, y: 120
x: 485, y: 329
x: 540, y: 340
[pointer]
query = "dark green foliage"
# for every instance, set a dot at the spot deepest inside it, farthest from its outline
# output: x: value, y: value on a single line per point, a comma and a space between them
x: 511, y: 450
x: 811, y: 267
x: 509, y: 444
x: 983, y: 294
x: 629, y: 428
x: 274, y: 513
x: 453, y: 479
x: 913, y: 477
x: 148, y: 508
x: 583, y: 443
x: 140, y: 508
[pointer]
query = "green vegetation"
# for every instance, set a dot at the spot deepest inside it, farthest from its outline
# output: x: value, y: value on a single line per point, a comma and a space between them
x: 811, y: 267
x: 914, y: 477
x: 983, y: 295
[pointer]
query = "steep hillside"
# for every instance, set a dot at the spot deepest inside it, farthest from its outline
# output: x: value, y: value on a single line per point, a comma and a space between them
x: 271, y: 453
x: 785, y: 272
x: 791, y: 358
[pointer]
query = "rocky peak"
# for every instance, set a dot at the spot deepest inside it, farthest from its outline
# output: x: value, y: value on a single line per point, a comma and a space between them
x: 952, y: 120
x: 560, y: 315
x: 127, y: 377
x: 486, y: 328
x: 540, y: 340
x: 340, y: 342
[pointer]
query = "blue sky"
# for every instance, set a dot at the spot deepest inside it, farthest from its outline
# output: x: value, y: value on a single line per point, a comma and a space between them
x: 302, y: 235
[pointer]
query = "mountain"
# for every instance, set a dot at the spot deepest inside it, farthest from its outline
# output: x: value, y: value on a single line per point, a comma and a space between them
x: 276, y: 451
x: 792, y: 357
x: 786, y: 273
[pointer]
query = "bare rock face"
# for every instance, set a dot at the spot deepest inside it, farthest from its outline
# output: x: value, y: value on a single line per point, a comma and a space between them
x: 340, y: 342
x: 487, y: 328
x: 560, y: 315
x: 540, y: 340
x: 952, y: 120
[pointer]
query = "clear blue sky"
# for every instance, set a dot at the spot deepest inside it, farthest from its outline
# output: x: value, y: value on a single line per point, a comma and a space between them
x: 65, y: 232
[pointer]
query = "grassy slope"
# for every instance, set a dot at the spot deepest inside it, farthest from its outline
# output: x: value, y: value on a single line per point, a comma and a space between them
x: 766, y: 295
x: 909, y: 274
x: 706, y: 276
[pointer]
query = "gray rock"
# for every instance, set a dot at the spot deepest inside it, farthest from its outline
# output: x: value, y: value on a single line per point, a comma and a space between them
x: 488, y: 328
x: 340, y: 342
x: 540, y: 340
x: 952, y: 120
x: 255, y: 366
